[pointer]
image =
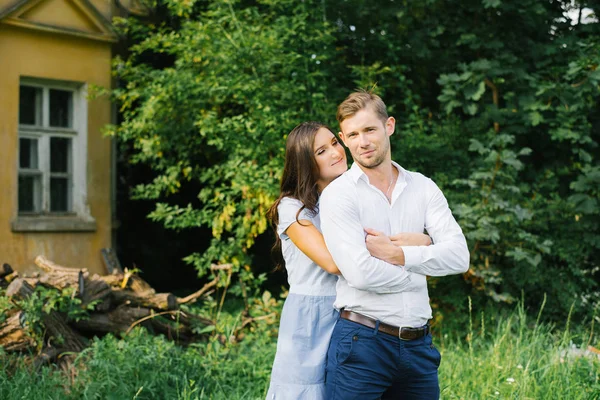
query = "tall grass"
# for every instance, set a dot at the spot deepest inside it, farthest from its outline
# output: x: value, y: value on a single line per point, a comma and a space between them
x: 519, y: 358
x: 496, y: 357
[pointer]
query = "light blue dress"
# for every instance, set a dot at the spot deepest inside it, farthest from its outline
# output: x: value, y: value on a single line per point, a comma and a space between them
x: 307, y: 318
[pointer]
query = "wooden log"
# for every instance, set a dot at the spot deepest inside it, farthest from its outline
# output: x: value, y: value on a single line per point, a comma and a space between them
x: 52, y: 268
x: 6, y: 270
x: 111, y: 261
x: 140, y: 286
x: 158, y: 301
x: 112, y: 280
x: 126, y: 280
x: 59, y: 280
x: 96, y: 289
x: 115, y: 321
x: 54, y: 322
x: 13, y: 337
x: 178, y: 332
x: 47, y: 356
x: 11, y: 277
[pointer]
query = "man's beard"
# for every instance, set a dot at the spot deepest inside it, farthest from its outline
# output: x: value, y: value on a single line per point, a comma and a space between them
x: 375, y: 161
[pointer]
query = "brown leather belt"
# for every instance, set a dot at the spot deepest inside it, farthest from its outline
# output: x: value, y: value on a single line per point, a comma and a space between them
x: 404, y: 333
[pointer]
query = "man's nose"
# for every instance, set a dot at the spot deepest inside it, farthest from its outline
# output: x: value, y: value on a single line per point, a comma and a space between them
x: 363, y: 140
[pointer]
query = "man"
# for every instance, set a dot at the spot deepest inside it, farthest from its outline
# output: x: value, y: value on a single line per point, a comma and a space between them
x: 381, y: 346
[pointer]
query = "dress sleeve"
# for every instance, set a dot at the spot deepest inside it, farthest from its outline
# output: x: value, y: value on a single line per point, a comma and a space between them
x: 287, y: 210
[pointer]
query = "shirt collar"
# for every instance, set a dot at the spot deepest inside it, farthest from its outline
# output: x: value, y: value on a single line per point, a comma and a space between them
x: 356, y: 173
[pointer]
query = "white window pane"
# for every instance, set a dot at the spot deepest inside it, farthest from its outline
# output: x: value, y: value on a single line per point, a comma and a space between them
x: 30, y: 105
x: 30, y: 193
x: 28, y: 153
x: 61, y: 105
x: 60, y: 154
x: 59, y: 195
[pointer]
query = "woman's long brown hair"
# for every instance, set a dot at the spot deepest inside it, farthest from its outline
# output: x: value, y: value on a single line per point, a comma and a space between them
x: 299, y: 179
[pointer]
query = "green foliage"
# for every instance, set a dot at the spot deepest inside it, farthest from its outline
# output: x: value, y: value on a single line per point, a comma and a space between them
x: 497, y: 101
x: 5, y: 305
x: 142, y: 366
x: 533, y: 103
x: 237, y: 79
x: 43, y: 301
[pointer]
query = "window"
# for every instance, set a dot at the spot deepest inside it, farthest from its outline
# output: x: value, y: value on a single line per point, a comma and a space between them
x: 52, y: 154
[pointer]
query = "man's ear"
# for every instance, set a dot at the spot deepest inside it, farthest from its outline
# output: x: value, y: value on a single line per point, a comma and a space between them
x: 342, y: 137
x: 390, y: 126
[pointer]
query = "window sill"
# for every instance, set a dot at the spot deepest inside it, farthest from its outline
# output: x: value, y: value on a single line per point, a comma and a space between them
x: 53, y: 224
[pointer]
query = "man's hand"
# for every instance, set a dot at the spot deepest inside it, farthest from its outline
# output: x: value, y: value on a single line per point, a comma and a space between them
x: 381, y: 246
x: 411, y: 239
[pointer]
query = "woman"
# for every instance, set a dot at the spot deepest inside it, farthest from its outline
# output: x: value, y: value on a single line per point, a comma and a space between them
x: 313, y: 158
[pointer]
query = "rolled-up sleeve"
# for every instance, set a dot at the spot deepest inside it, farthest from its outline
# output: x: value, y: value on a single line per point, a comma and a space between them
x: 345, y: 239
x: 449, y: 254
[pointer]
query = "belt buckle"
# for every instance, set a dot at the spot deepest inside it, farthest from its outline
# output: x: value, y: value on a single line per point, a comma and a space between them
x: 400, y: 335
x: 413, y: 333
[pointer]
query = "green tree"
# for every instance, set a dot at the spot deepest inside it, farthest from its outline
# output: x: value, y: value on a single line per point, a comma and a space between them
x: 497, y: 101
x: 237, y: 79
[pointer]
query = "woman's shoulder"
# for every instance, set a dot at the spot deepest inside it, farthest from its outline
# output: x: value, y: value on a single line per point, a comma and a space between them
x: 288, y: 209
x: 290, y: 202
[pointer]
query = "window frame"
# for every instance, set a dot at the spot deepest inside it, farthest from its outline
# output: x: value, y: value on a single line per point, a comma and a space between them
x: 78, y: 215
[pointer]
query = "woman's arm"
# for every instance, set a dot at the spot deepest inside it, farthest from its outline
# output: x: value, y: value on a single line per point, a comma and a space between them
x: 411, y: 239
x: 388, y: 248
x: 310, y: 241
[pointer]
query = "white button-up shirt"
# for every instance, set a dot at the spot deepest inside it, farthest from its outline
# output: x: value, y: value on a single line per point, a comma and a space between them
x: 396, y: 295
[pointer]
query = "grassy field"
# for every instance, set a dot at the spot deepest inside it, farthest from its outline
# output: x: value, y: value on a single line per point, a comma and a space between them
x: 496, y: 357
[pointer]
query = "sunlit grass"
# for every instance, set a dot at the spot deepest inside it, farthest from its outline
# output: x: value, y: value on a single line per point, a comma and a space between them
x: 519, y: 358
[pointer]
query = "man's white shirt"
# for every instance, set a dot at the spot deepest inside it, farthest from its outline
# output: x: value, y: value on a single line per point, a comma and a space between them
x: 396, y: 295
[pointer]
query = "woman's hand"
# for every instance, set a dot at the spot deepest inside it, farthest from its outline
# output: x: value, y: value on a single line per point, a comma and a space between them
x: 388, y: 248
x: 382, y: 247
x: 411, y: 239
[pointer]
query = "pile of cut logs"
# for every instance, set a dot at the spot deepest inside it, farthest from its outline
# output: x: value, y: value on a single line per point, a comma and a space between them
x: 120, y: 301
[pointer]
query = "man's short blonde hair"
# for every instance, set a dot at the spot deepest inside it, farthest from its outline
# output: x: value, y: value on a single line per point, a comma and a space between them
x: 360, y: 100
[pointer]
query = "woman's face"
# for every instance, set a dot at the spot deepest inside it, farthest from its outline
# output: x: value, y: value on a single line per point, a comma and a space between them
x: 330, y: 157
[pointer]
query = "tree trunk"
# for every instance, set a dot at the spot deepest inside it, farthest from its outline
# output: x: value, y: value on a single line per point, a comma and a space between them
x: 52, y: 268
x: 118, y: 320
x: 12, y: 335
x: 158, y: 301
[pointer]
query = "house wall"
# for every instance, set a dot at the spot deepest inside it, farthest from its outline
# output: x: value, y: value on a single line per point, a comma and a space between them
x: 50, y: 55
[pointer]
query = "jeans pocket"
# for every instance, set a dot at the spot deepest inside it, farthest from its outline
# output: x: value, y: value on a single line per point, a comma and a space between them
x: 434, y: 352
x: 431, y: 352
x: 344, y: 348
x: 438, y: 355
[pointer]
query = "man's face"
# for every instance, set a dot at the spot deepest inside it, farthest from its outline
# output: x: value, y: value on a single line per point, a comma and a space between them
x: 367, y: 137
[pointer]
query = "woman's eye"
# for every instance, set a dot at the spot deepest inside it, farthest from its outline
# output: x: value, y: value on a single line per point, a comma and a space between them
x: 320, y: 152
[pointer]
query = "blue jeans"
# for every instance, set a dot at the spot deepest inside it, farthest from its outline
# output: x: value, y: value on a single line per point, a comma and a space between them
x: 363, y: 363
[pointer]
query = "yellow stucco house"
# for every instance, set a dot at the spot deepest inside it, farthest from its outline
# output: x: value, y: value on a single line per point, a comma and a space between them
x: 56, y: 180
